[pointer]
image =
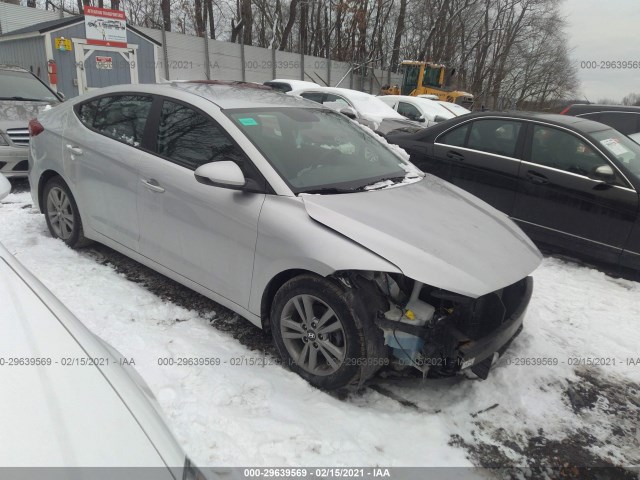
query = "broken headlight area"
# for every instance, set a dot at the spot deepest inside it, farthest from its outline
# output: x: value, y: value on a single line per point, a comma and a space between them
x: 441, y: 333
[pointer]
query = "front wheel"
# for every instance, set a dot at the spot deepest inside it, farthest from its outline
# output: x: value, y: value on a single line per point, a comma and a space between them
x: 62, y: 214
x: 316, y: 333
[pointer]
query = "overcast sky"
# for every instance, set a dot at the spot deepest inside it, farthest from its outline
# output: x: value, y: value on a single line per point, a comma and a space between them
x: 605, y: 30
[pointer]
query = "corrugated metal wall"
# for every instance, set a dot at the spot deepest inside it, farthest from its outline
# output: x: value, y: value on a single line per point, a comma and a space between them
x: 186, y: 60
x: 13, y: 17
x: 27, y: 53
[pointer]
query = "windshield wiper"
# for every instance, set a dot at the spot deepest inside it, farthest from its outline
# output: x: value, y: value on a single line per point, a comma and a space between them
x: 392, y: 179
x: 330, y: 190
x: 25, y: 99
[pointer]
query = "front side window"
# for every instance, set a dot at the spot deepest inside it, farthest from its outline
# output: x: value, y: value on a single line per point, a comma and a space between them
x: 455, y: 137
x: 190, y: 139
x: 495, y: 136
x: 563, y: 150
x: 316, y: 149
x: 407, y: 110
x: 121, y: 117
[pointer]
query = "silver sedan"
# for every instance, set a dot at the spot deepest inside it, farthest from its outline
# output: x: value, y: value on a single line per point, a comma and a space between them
x: 293, y: 216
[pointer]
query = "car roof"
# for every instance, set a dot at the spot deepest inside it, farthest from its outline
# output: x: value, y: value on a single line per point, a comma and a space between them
x: 592, y: 107
x: 568, y: 121
x: 292, y: 82
x: 226, y: 95
x: 340, y: 91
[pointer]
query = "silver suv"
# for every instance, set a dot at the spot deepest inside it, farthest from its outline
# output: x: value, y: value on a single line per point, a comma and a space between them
x: 22, y: 97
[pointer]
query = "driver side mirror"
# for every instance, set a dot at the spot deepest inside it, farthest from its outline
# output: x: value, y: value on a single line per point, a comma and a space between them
x: 60, y: 95
x: 349, y: 112
x: 5, y: 186
x: 420, y: 119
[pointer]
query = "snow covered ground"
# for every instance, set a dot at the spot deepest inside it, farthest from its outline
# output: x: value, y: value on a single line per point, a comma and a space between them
x: 240, y: 414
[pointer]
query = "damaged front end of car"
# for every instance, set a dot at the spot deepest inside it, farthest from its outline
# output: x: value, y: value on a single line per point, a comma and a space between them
x: 437, y: 332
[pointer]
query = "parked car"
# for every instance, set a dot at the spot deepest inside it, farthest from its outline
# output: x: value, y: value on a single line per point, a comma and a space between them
x: 625, y: 119
x: 286, y: 85
x: 454, y: 108
x: 294, y: 217
x: 71, y: 393
x: 417, y: 108
x: 361, y: 107
x: 568, y: 182
x: 428, y: 96
x: 22, y: 97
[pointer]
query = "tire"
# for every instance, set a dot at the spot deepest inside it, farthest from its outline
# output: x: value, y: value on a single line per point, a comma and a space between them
x: 62, y: 214
x: 325, y: 349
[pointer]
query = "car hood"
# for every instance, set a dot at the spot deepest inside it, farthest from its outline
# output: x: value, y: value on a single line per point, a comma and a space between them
x: 17, y: 113
x: 434, y: 232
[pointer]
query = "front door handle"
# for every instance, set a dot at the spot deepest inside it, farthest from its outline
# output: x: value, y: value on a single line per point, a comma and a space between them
x: 538, y: 178
x: 74, y: 150
x: 152, y: 185
x: 455, y: 156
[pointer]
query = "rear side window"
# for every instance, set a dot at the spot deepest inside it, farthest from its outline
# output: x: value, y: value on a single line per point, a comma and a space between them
x: 190, y: 139
x: 455, y: 137
x: 314, y: 96
x: 87, y: 112
x: 121, y: 117
x: 494, y: 136
x: 407, y: 110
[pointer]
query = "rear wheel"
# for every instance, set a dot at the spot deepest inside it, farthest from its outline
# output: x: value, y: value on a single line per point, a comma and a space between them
x: 62, y: 214
x: 316, y: 333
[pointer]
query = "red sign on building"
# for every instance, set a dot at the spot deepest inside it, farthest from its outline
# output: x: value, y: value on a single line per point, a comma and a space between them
x: 105, y: 27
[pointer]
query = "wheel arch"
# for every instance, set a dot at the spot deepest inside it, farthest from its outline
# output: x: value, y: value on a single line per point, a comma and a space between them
x: 42, y: 181
x: 272, y: 287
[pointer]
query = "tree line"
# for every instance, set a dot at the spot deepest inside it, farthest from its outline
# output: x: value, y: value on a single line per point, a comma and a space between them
x: 508, y: 53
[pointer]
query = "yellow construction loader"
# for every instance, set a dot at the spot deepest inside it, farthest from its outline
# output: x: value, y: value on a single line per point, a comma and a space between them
x: 425, y: 78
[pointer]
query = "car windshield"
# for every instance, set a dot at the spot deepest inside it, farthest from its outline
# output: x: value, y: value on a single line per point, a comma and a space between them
x: 625, y: 150
x: 455, y: 108
x: 319, y: 150
x: 16, y: 85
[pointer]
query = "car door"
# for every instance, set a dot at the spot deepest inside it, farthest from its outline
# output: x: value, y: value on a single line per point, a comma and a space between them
x: 202, y: 232
x: 561, y: 202
x: 482, y: 157
x: 102, y: 143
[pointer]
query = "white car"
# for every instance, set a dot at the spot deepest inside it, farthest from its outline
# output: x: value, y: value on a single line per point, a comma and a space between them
x: 454, y: 108
x: 415, y: 108
x: 286, y: 85
x: 69, y: 399
x: 362, y: 107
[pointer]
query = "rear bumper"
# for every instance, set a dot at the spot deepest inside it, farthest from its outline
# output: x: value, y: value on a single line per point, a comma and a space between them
x: 14, y: 161
x: 478, y: 355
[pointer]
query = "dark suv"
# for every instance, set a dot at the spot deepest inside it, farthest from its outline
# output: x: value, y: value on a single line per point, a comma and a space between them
x: 22, y: 97
x: 625, y: 119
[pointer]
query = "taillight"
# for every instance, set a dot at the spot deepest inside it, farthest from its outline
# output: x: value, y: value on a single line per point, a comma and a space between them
x: 35, y: 127
x: 564, y: 112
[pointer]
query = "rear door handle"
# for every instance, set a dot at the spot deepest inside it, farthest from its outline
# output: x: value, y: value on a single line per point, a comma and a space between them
x: 152, y: 185
x: 535, y: 177
x: 74, y: 150
x: 455, y: 156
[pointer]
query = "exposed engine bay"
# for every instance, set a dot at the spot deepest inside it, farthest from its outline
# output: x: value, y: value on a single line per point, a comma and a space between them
x: 437, y: 332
